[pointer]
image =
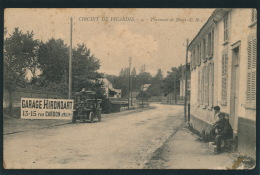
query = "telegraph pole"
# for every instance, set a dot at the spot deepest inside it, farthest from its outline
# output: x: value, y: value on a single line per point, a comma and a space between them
x: 143, y: 95
x: 70, y: 60
x: 129, y: 87
x: 175, y: 89
x: 186, y: 81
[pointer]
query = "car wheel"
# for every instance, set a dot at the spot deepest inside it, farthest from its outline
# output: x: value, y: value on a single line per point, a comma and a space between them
x: 91, y: 117
x: 73, y: 119
x: 99, y: 118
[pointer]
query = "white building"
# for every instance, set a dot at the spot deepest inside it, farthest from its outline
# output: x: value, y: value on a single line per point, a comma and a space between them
x: 182, y: 82
x: 223, y: 72
x: 111, y: 92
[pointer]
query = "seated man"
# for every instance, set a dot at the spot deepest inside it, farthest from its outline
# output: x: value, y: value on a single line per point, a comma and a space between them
x: 217, y: 112
x: 216, y: 121
x: 223, y: 131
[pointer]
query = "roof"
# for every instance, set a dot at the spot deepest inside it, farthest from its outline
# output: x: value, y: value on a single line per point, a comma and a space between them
x: 145, y: 87
x: 110, y: 86
x: 216, y: 16
x: 85, y: 92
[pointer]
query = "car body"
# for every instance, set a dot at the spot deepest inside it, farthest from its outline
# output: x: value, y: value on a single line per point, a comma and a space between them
x: 87, y: 106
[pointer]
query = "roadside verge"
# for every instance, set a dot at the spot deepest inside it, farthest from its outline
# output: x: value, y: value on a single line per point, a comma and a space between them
x: 13, y: 125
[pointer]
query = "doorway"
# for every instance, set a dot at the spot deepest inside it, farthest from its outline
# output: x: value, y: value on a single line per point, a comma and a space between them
x: 234, y: 93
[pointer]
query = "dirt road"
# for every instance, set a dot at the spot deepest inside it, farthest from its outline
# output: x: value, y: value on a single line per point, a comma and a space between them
x: 119, y: 142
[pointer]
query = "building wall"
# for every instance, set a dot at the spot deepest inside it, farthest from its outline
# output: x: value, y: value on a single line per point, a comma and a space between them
x: 244, y: 125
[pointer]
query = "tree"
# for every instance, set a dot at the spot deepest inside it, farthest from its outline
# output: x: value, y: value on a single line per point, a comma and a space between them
x: 53, y: 60
x: 156, y: 84
x: 122, y: 82
x: 85, y: 70
x: 111, y: 78
x: 20, y: 56
x: 143, y: 78
x: 172, y: 81
x: 133, y: 73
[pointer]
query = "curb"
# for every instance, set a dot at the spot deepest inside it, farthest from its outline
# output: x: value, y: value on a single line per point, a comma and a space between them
x: 165, y: 136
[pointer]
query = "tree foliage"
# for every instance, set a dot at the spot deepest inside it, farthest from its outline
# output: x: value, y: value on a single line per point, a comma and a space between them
x: 171, y: 82
x: 45, y: 65
x: 20, y: 56
x: 53, y: 58
x: 156, y: 84
x: 85, y: 69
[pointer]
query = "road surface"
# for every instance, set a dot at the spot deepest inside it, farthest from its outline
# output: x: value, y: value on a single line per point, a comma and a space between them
x: 117, y: 142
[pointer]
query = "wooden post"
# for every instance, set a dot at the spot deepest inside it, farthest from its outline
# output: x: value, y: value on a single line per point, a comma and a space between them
x: 70, y: 61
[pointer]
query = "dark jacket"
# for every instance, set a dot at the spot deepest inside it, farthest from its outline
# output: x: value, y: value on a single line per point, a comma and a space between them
x: 225, y: 128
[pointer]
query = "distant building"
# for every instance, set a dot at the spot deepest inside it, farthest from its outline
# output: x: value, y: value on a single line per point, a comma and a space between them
x: 111, y: 92
x: 182, y: 82
x: 223, y: 72
x: 145, y: 87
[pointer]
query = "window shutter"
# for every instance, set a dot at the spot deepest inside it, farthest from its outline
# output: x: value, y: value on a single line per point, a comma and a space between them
x: 194, y: 60
x: 224, y: 78
x: 200, y: 53
x: 212, y: 83
x: 251, y: 69
x: 254, y: 15
x: 207, y: 46
x: 191, y: 61
x: 203, y: 50
x: 197, y: 54
x: 202, y: 86
x: 226, y: 28
x: 212, y: 42
x: 198, y: 97
x: 206, y: 85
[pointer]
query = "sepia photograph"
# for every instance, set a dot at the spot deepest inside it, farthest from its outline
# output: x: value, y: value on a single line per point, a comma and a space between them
x: 129, y: 88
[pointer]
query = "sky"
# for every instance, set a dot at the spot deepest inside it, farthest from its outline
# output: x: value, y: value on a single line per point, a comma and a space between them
x: 154, y: 37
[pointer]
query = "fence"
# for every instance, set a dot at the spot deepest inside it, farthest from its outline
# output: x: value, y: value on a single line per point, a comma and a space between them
x: 172, y: 99
x: 15, y: 97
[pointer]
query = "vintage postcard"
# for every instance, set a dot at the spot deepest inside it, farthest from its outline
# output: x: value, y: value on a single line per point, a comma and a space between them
x: 132, y: 88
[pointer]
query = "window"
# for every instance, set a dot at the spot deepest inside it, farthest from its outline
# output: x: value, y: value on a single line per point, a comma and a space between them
x: 200, y: 53
x: 226, y: 28
x: 254, y: 15
x: 194, y: 58
x: 251, y: 70
x: 202, y: 86
x: 197, y: 54
x: 199, y: 89
x: 191, y: 61
x: 224, y: 78
x: 204, y: 50
x: 209, y: 45
x: 212, y: 42
x: 211, y: 84
x: 206, y: 85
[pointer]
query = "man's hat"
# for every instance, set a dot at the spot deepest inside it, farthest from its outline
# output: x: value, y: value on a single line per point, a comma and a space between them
x: 216, y: 108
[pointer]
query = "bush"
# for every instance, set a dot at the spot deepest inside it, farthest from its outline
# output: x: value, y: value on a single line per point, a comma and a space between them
x: 106, y: 106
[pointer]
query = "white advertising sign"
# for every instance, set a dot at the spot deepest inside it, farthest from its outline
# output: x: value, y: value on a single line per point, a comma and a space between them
x: 38, y: 108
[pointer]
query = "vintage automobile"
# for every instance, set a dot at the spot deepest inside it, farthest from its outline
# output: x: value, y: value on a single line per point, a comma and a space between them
x: 86, y: 106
